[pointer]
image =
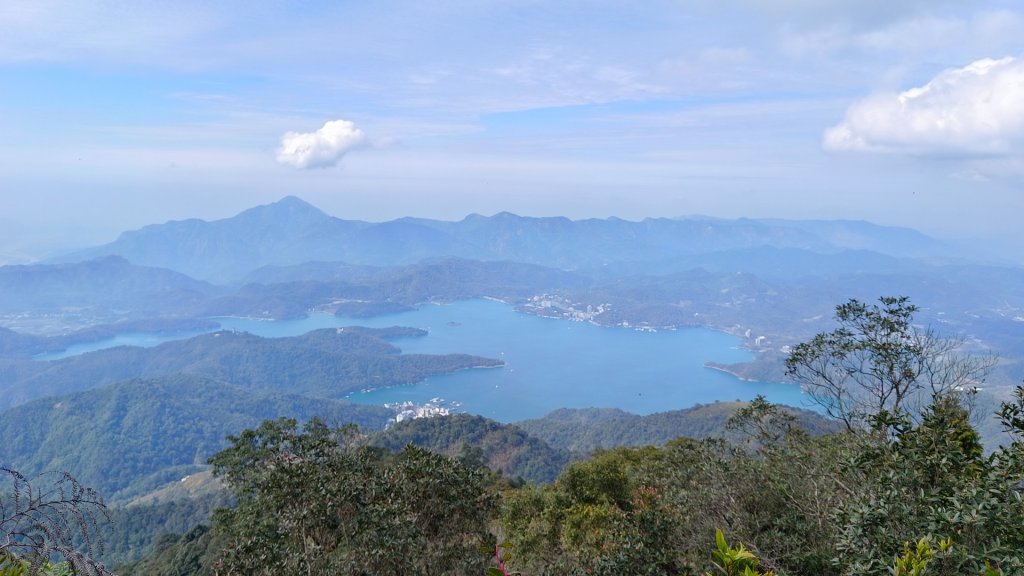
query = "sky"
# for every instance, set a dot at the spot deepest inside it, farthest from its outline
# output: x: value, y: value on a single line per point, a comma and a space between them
x: 115, y: 115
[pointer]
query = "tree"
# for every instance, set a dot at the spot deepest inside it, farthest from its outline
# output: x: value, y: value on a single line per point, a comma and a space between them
x: 40, y: 518
x: 933, y: 484
x: 880, y: 365
x: 921, y: 492
x: 319, y: 501
x: 603, y: 516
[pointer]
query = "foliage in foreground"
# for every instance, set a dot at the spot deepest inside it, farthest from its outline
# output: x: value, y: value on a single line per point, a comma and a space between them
x: 850, y: 503
x: 316, y: 500
x: 924, y: 501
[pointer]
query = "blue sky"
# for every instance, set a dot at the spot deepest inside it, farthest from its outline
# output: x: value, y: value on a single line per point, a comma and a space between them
x: 119, y: 114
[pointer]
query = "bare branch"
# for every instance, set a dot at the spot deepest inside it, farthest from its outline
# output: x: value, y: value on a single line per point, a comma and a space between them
x: 38, y: 523
x: 879, y: 363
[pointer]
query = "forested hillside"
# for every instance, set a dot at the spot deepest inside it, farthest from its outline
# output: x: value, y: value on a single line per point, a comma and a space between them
x: 326, y: 363
x: 921, y: 497
x: 477, y: 441
x: 291, y: 291
x: 171, y: 425
x: 132, y: 437
x: 582, y: 431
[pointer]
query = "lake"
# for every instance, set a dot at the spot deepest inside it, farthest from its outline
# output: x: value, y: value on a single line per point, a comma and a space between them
x: 549, y: 363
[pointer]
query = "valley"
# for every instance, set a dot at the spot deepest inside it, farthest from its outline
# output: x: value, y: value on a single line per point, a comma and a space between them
x: 538, y: 339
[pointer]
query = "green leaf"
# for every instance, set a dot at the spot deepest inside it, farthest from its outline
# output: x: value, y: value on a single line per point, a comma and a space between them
x: 720, y: 540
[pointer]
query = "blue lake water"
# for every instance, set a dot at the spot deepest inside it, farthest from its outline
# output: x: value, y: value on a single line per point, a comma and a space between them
x: 549, y: 363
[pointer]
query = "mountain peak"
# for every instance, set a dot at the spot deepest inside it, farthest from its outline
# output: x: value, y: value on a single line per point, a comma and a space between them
x: 294, y: 202
x: 287, y: 208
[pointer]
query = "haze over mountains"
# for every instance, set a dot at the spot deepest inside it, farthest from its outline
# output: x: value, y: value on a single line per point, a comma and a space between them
x: 291, y: 232
x: 771, y: 283
x: 777, y: 278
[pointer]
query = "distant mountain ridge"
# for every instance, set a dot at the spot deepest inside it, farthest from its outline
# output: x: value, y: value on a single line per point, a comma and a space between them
x: 291, y: 232
x: 222, y: 249
x: 106, y: 281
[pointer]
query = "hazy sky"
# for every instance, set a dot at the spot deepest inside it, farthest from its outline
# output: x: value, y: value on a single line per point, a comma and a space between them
x: 119, y: 114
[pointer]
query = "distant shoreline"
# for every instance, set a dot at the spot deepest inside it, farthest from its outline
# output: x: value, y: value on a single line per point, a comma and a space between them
x: 720, y: 368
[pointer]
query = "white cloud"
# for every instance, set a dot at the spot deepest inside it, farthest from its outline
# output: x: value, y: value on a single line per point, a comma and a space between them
x: 323, y: 148
x: 974, y: 110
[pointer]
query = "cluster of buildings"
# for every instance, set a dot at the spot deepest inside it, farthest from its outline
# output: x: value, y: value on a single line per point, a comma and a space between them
x: 559, y: 307
x: 409, y: 410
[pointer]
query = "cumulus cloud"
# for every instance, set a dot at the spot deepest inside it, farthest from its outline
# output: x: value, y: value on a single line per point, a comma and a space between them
x: 323, y: 148
x: 974, y: 110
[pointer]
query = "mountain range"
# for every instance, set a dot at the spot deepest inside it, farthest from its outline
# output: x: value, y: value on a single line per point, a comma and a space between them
x: 292, y: 232
x: 776, y: 279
